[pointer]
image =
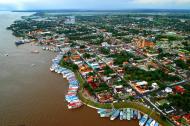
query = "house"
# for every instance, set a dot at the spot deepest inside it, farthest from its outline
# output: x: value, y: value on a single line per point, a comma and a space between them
x: 118, y: 89
x: 187, y: 117
x: 179, y: 89
x: 105, y: 44
x: 168, y: 90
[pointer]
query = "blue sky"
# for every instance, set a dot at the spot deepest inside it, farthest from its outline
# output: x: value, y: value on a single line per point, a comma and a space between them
x: 93, y: 4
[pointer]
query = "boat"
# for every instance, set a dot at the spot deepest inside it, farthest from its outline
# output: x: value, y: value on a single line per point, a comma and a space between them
x: 143, y: 120
x: 17, y: 43
x: 121, y: 115
x: 44, y: 48
x: 106, y: 114
x: 132, y: 113
x: 124, y: 114
x: 115, y: 115
x: 148, y: 122
x: 35, y: 51
x: 152, y: 123
x: 51, y: 69
x: 156, y: 124
x: 100, y: 110
x: 128, y: 114
x: 135, y: 115
x: 139, y: 115
x: 74, y: 105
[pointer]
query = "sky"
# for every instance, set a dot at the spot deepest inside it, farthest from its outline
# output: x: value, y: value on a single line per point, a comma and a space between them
x: 93, y: 4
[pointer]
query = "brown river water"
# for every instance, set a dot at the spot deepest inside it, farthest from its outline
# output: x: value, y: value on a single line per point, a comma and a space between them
x: 31, y: 95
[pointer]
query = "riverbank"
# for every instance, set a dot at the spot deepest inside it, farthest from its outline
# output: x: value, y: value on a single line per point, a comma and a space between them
x: 134, y: 105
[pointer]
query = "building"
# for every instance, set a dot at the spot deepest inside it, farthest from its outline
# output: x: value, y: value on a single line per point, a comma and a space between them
x: 179, y: 89
x: 70, y: 20
x: 141, y: 42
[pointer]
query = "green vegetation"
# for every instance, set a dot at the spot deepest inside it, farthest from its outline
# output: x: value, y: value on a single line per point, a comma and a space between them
x: 105, y: 51
x: 162, y: 55
x: 123, y: 57
x: 181, y: 101
x: 86, y: 55
x: 70, y: 65
x: 181, y: 64
x: 134, y: 73
x: 107, y: 70
x: 169, y: 37
x: 102, y: 87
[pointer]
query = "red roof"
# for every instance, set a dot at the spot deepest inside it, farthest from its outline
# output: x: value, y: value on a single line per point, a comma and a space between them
x: 179, y: 89
x: 187, y: 116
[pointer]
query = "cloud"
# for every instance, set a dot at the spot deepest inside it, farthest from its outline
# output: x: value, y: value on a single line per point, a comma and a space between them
x: 161, y: 2
x: 93, y: 4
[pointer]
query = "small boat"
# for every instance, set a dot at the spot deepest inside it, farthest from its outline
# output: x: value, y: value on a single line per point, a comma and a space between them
x: 132, y: 113
x: 106, y: 114
x: 139, y: 115
x: 74, y: 105
x: 152, y: 123
x: 115, y: 115
x: 44, y: 48
x: 17, y: 43
x: 143, y: 120
x: 128, y: 114
x: 121, y: 115
x: 51, y: 69
x: 100, y: 110
x: 35, y: 51
x: 148, y: 122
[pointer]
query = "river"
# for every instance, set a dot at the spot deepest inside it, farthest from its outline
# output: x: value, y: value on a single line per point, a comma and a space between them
x: 31, y: 95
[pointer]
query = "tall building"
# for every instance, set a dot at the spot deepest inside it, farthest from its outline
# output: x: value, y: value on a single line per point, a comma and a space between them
x: 70, y: 20
x: 141, y: 42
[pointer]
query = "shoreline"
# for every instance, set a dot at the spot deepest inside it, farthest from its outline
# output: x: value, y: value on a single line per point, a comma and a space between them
x: 120, y: 105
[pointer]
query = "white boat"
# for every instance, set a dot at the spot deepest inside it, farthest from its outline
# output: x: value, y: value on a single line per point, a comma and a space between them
x: 128, y: 114
x: 152, y: 123
x: 51, y: 69
x: 139, y: 115
x: 121, y: 115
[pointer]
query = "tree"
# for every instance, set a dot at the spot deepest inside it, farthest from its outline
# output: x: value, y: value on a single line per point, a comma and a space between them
x: 181, y: 64
x: 86, y: 55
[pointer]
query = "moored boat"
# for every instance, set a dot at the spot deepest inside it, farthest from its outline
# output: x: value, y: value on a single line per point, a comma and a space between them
x: 152, y: 123
x: 121, y: 115
x: 17, y: 43
x: 124, y: 114
x: 143, y: 120
x: 156, y: 124
x: 128, y: 114
x: 115, y: 115
x: 148, y: 122
x: 135, y: 115
x: 139, y: 115
x: 132, y: 113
